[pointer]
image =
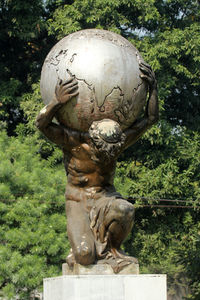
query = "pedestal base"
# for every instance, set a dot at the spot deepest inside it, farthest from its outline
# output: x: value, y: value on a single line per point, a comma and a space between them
x: 109, y: 287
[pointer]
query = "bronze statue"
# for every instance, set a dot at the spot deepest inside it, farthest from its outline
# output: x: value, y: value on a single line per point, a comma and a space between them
x: 98, y: 218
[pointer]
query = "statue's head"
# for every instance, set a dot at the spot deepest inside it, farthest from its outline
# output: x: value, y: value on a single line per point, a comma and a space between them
x: 107, y: 137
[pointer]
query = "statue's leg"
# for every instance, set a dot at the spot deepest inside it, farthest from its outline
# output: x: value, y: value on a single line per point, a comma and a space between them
x: 111, y: 220
x: 119, y: 221
x: 79, y: 233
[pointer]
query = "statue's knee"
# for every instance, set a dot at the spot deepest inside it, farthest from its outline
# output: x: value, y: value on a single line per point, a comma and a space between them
x: 126, y: 209
x: 84, y: 254
x: 120, y: 211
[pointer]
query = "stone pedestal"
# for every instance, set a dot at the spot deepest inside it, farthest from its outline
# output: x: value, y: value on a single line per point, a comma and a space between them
x: 108, y: 287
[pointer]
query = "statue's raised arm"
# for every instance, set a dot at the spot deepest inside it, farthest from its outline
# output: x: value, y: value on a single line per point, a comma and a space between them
x: 139, y: 127
x: 64, y: 92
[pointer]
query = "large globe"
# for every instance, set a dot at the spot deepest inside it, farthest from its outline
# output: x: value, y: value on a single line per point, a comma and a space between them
x: 106, y: 67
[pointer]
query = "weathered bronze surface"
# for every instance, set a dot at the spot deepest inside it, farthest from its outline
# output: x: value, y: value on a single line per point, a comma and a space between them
x: 98, y: 218
x: 107, y: 70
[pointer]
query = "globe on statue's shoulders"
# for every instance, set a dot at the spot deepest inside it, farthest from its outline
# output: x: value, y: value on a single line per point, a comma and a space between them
x: 106, y: 66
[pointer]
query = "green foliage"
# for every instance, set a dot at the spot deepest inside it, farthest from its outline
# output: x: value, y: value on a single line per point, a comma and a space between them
x: 167, y: 176
x: 174, y: 56
x: 18, y: 14
x: 163, y: 164
x: 23, y: 44
x: 9, y: 96
x: 114, y: 15
x: 32, y: 217
x: 165, y: 240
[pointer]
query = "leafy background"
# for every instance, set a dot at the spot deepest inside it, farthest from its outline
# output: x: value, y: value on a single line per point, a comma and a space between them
x: 163, y: 165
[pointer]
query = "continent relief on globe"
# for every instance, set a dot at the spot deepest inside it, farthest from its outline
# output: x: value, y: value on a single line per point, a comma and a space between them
x: 106, y: 67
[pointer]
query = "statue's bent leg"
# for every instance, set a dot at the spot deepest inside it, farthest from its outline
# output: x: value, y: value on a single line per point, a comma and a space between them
x: 119, y: 221
x: 111, y: 220
x: 79, y: 233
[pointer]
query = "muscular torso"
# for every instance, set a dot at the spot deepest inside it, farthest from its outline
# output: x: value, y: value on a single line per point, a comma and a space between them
x: 83, y: 167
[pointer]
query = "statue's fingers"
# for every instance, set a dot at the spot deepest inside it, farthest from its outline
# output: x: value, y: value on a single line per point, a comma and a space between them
x: 68, y: 80
x: 142, y: 63
x: 74, y: 94
x: 144, y: 70
x: 71, y: 83
x: 145, y: 77
x: 59, y: 82
x: 67, y: 90
x: 149, y: 79
x: 71, y: 89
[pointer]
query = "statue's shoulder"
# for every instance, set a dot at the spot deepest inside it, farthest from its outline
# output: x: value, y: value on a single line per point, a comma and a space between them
x: 75, y: 136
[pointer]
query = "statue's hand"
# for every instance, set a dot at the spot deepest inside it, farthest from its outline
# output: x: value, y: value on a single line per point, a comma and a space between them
x: 148, y: 75
x: 152, y: 104
x: 66, y: 90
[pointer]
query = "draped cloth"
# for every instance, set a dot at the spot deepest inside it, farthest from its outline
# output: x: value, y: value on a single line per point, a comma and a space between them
x: 106, y: 207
